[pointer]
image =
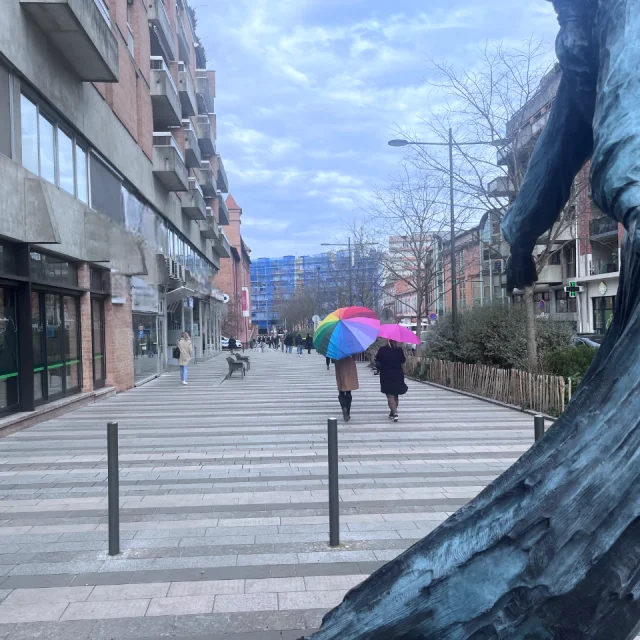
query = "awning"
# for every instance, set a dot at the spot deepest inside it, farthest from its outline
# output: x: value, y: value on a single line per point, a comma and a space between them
x: 175, y: 297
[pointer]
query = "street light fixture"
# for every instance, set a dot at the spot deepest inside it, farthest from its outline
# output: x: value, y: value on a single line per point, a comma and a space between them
x: 450, y: 144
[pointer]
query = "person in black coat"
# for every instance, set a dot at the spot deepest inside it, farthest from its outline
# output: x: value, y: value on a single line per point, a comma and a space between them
x: 389, y: 361
x: 309, y: 343
x: 288, y: 342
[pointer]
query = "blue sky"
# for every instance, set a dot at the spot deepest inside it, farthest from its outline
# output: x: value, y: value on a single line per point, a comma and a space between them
x: 310, y: 91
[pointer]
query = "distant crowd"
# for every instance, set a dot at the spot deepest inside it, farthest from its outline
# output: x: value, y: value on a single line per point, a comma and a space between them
x: 283, y: 342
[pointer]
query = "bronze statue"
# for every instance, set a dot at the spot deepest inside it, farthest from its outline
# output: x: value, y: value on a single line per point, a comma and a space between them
x: 551, y: 550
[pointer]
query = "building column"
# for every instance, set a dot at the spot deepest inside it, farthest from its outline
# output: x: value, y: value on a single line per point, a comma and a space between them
x: 86, y: 328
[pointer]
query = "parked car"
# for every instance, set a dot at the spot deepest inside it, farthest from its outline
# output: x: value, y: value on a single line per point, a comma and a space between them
x: 224, y: 343
x: 590, y: 340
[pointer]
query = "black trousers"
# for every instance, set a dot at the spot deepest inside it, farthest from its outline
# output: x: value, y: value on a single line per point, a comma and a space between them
x: 328, y: 361
x: 345, y: 399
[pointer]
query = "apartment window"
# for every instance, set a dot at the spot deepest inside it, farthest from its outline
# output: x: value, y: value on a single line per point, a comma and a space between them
x: 82, y: 173
x: 106, y: 190
x: 566, y: 304
x: 52, y: 151
x: 29, y: 129
x: 5, y: 112
x: 65, y: 162
x: 555, y: 258
x: 46, y: 147
x: 461, y: 260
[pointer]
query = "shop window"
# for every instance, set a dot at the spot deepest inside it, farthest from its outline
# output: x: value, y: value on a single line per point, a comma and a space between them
x: 566, y: 304
x: 5, y: 112
x: 53, y: 270
x: 8, y: 351
x: 8, y: 260
x: 99, y: 280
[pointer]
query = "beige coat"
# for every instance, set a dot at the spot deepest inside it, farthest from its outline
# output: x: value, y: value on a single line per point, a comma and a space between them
x: 347, y: 375
x: 186, y: 351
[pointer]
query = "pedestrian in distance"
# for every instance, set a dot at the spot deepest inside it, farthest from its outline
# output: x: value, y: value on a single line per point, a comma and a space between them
x: 288, y: 341
x: 347, y: 381
x: 299, y: 344
x: 389, y: 361
x: 186, y: 353
x: 232, y: 344
x: 309, y: 343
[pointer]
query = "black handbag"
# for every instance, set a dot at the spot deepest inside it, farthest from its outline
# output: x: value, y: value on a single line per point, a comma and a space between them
x: 176, y: 353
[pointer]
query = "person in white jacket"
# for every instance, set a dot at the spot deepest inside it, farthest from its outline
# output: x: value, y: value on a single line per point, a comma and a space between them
x: 186, y: 353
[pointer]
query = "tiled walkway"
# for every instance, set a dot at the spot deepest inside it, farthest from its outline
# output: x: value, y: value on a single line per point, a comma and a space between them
x: 224, y: 501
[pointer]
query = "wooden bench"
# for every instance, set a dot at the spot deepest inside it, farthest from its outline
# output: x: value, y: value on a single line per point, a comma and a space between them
x: 244, y: 360
x: 234, y: 365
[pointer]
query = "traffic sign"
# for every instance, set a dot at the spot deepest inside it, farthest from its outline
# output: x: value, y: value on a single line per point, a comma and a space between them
x: 573, y: 289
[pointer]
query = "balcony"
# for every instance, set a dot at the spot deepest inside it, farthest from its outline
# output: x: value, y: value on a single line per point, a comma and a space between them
x: 603, y: 228
x: 168, y: 163
x: 183, y: 42
x: 501, y: 187
x: 206, y: 93
x: 193, y: 205
x: 207, y: 183
x: 161, y: 34
x: 81, y: 31
x: 221, y: 245
x: 206, y: 136
x: 209, y: 228
x: 551, y: 274
x: 602, y: 267
x: 192, y: 155
x: 167, y: 110
x: 222, y: 180
x: 186, y: 91
x: 223, y: 212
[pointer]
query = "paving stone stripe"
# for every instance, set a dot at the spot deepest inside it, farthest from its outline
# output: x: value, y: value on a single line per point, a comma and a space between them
x: 224, y: 502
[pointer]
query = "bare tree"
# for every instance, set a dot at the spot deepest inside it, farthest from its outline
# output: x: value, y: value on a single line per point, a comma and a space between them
x: 504, y: 100
x: 411, y: 223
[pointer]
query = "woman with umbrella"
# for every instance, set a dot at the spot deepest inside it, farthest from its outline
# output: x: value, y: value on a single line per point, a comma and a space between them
x: 389, y: 361
x: 340, y: 336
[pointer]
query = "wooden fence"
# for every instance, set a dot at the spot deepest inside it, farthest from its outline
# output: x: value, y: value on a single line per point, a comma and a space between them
x: 542, y: 393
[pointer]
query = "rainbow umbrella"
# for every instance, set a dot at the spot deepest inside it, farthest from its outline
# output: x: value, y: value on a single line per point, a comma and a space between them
x: 346, y: 332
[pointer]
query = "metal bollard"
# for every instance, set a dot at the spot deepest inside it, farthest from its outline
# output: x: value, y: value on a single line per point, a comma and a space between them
x: 538, y: 427
x: 113, y: 488
x: 334, y: 504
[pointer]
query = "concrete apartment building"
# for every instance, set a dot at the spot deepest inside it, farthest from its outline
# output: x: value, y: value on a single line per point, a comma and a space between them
x: 110, y: 196
x: 235, y: 280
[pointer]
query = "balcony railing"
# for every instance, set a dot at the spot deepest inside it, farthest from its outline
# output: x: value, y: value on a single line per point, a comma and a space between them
x: 602, y: 267
x: 158, y: 64
x: 104, y: 10
x: 206, y: 137
x: 605, y: 226
x: 222, y: 180
x: 192, y: 152
x: 161, y: 27
x: 206, y: 101
x: 162, y: 139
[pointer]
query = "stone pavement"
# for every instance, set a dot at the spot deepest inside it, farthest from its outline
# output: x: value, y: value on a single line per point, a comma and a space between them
x: 224, y: 501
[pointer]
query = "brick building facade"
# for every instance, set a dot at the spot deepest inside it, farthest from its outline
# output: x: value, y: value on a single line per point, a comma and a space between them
x: 111, y: 196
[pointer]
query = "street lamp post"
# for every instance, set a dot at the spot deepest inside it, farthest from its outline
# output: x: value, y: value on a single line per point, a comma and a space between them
x: 450, y: 144
x: 326, y: 244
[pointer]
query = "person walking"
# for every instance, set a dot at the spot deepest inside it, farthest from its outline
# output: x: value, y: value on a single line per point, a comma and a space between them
x: 186, y: 353
x: 288, y: 341
x: 309, y: 343
x: 232, y: 344
x: 328, y: 362
x: 299, y: 343
x: 389, y: 361
x: 347, y: 381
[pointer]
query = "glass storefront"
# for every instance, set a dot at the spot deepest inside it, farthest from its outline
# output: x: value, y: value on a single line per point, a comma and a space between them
x: 8, y: 350
x: 603, y: 309
x: 147, y: 347
x: 98, y: 343
x: 55, y: 326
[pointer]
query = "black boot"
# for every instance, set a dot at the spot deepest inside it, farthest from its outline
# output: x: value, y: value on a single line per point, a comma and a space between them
x: 349, y: 399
